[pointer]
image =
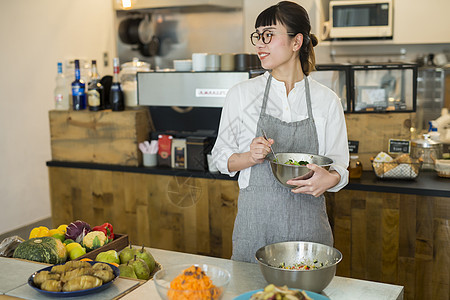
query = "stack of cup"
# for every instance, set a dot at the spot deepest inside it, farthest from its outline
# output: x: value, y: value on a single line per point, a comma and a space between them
x: 199, y: 61
x: 212, y: 62
x: 227, y: 62
x: 242, y: 61
x: 255, y: 63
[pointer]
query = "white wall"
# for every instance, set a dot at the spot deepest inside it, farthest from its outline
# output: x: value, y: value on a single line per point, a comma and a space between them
x: 252, y: 8
x: 375, y: 51
x: 34, y: 35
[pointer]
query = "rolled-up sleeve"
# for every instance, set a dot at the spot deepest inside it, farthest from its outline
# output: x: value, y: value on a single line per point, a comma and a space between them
x: 229, y: 128
x: 336, y: 146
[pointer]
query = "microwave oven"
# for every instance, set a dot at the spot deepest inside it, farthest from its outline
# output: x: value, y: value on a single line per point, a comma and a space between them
x: 361, y: 19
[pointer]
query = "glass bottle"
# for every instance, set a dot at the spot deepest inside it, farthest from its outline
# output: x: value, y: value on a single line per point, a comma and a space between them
x: 116, y: 95
x: 61, y: 91
x: 355, y: 167
x: 78, y: 89
x: 95, y: 90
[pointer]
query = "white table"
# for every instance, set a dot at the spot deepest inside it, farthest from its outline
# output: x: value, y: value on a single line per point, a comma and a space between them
x: 247, y: 277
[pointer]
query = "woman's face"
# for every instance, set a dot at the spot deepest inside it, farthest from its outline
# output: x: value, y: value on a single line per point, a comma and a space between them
x: 280, y: 51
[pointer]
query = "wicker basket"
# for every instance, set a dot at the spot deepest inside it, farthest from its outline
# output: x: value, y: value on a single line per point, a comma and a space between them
x: 394, y: 170
x: 442, y: 167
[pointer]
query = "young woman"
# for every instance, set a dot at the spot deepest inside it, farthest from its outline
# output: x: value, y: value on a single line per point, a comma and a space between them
x: 298, y: 114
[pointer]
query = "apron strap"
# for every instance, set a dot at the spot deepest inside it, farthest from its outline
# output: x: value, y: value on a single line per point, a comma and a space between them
x: 308, y: 99
x: 266, y: 94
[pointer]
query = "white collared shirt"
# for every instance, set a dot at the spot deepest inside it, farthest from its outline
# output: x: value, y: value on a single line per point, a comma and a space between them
x: 241, y: 112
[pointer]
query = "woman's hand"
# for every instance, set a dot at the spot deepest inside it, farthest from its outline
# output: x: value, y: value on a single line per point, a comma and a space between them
x: 259, y: 148
x: 318, y: 183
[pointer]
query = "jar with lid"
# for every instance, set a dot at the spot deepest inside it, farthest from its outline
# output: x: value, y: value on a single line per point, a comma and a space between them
x: 427, y: 150
x: 128, y: 80
x: 355, y: 167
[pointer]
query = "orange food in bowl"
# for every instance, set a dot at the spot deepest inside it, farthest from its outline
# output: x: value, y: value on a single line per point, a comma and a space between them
x: 192, y: 284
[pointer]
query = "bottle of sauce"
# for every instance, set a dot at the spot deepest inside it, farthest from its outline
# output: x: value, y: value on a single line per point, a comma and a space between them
x: 355, y: 167
x: 61, y: 92
x: 95, y: 90
x: 116, y: 95
x: 78, y: 89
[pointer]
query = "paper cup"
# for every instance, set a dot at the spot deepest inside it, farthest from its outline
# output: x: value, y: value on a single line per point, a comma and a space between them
x: 150, y: 160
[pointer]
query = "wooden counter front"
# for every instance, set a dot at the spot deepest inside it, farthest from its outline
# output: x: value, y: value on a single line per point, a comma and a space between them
x: 394, y: 238
x: 389, y: 237
x: 194, y: 215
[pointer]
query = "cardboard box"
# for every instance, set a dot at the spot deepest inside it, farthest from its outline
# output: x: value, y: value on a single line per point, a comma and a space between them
x: 178, y: 154
x: 197, y: 148
x: 164, y: 150
x: 103, y: 137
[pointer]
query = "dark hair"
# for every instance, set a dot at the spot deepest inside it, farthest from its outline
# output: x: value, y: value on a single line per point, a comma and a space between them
x: 295, y: 18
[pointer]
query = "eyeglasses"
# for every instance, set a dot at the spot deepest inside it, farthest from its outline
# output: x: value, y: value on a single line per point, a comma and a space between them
x: 266, y: 36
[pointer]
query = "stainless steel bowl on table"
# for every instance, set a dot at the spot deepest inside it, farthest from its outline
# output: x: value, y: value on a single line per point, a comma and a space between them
x: 283, y: 172
x: 270, y: 257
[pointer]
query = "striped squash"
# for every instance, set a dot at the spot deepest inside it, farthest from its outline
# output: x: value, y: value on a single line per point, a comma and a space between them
x: 44, y: 249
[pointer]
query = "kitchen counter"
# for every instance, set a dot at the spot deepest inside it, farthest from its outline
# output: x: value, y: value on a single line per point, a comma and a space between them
x: 244, y: 277
x: 426, y: 184
x: 141, y: 170
x: 247, y: 277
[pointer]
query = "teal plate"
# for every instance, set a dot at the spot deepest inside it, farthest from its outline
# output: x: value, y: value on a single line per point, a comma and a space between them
x: 246, y: 296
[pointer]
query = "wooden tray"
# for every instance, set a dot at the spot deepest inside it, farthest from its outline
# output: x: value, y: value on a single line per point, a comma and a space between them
x: 120, y: 241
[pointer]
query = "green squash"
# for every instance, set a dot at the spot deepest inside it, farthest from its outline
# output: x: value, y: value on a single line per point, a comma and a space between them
x: 44, y: 249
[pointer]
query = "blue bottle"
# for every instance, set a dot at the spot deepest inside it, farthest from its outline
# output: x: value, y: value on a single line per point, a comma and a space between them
x: 78, y: 89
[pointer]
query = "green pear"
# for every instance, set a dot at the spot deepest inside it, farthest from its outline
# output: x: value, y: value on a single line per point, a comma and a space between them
x: 127, y: 254
x: 127, y: 270
x: 140, y: 268
x: 147, y: 257
x: 110, y: 256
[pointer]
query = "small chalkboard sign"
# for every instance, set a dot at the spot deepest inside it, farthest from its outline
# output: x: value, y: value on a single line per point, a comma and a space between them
x: 353, y: 146
x: 399, y: 146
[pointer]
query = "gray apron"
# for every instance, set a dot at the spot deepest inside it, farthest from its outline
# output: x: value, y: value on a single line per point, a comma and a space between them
x: 269, y: 212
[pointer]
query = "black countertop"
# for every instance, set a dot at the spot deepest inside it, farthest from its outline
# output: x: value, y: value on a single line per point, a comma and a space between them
x: 143, y: 170
x: 428, y: 183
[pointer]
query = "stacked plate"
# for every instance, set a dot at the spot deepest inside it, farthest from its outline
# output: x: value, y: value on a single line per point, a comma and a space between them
x: 182, y: 65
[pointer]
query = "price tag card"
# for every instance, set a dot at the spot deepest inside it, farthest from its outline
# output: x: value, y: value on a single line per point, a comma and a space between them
x: 399, y: 146
x: 353, y: 146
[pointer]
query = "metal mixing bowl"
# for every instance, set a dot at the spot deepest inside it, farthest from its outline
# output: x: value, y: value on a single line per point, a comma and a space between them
x: 271, y: 256
x: 284, y: 172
